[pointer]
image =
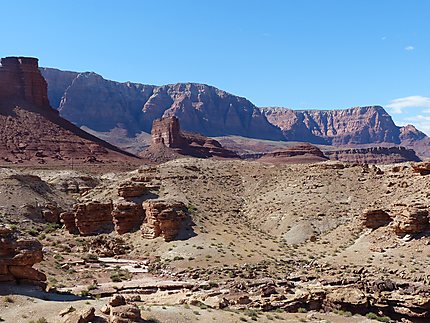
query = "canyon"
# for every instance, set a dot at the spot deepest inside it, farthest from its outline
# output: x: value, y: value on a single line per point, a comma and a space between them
x: 235, y: 228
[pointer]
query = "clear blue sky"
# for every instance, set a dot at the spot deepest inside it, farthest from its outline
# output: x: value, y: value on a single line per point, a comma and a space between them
x: 294, y: 53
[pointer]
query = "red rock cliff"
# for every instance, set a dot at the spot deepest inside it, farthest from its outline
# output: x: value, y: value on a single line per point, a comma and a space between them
x: 20, y: 78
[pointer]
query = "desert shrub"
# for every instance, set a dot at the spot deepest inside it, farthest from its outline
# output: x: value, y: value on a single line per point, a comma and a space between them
x: 120, y: 274
x: 378, y: 318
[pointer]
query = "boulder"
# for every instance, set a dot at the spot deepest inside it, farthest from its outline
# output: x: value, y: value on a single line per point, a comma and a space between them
x: 17, y: 256
x: 125, y: 314
x: 68, y: 219
x: 421, y: 168
x: 117, y: 300
x: 413, y: 219
x: 86, y: 316
x: 347, y: 298
x: 375, y: 218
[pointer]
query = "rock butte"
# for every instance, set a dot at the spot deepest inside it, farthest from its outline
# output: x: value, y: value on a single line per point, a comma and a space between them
x: 155, y: 217
x: 168, y: 142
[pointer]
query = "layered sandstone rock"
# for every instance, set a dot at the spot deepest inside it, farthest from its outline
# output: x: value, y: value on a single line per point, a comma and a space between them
x: 17, y: 256
x: 163, y: 218
x: 170, y: 143
x: 413, y: 219
x: 121, y: 312
x: 374, y: 155
x: 20, y: 79
x: 127, y: 216
x: 87, y: 99
x: 68, y: 219
x: 375, y: 218
x: 93, y: 217
x: 361, y: 125
x: 131, y: 189
x: 303, y: 153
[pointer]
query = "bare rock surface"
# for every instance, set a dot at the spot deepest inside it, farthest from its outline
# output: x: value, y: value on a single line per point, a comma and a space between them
x: 374, y: 155
x: 101, y: 105
x: 127, y: 216
x: 17, y: 257
x: 375, y: 218
x: 413, y: 219
x: 361, y: 125
x: 163, y: 218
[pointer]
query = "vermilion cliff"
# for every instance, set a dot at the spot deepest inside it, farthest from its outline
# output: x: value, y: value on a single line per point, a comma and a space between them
x: 87, y: 99
x: 361, y: 125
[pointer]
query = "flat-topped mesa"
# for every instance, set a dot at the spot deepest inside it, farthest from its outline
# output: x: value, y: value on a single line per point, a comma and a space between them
x: 20, y: 78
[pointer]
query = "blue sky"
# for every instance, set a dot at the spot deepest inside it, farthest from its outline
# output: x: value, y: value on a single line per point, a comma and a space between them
x: 323, y: 54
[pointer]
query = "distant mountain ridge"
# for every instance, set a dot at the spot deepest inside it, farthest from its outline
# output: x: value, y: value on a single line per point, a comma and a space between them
x: 87, y: 99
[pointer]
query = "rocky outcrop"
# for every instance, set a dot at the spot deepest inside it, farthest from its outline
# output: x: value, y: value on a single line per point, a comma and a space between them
x: 132, y: 189
x: 89, y: 218
x: 107, y: 246
x: 375, y: 218
x: 373, y: 155
x: 303, y: 153
x: 163, y: 218
x: 68, y: 220
x: 32, y: 132
x: 17, y: 256
x: 168, y: 142
x: 421, y: 168
x: 413, y: 219
x: 121, y: 312
x: 127, y: 216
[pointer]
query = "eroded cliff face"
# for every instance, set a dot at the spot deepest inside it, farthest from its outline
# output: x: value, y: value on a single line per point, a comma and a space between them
x: 20, y: 79
x: 374, y: 155
x: 18, y: 254
x: 31, y: 131
x: 361, y: 125
x: 89, y: 100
